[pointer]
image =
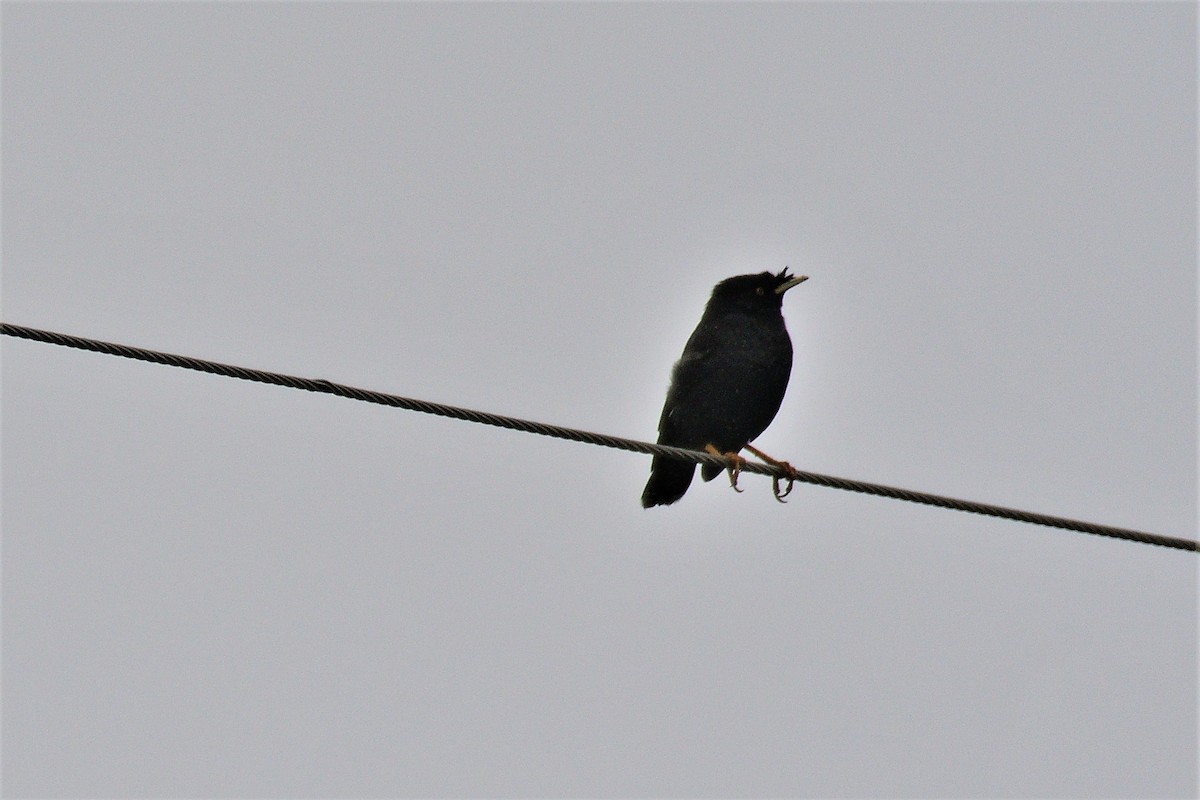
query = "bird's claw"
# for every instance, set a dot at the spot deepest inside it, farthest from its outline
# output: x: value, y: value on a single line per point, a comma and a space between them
x: 791, y: 474
x: 791, y: 482
x: 733, y: 471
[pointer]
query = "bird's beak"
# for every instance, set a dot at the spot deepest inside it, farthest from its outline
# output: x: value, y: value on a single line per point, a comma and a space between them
x: 796, y: 281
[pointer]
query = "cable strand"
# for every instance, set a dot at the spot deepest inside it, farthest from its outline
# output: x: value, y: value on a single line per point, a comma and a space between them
x: 587, y: 437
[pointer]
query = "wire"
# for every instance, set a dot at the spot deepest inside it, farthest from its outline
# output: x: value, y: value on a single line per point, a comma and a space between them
x: 588, y: 437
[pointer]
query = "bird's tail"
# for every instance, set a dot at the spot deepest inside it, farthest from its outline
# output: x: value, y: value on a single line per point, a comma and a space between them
x: 669, y: 479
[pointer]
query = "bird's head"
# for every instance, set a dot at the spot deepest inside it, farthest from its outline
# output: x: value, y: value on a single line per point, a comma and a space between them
x: 763, y: 290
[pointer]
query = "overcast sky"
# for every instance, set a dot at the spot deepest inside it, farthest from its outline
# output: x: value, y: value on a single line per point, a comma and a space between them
x: 215, y: 588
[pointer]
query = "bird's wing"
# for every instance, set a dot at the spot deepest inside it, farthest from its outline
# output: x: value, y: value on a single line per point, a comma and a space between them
x: 686, y: 376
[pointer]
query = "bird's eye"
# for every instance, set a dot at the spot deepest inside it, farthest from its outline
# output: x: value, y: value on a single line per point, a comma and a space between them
x: 759, y: 290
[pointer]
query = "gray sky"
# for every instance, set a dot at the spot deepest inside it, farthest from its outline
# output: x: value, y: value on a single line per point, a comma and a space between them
x: 222, y: 589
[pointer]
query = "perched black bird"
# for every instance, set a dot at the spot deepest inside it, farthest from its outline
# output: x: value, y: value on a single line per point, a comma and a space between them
x: 727, y: 386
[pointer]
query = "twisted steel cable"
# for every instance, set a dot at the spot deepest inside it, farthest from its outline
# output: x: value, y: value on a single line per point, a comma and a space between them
x: 588, y: 437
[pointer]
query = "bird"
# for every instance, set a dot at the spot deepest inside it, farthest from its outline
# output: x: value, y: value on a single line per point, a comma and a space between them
x: 728, y: 385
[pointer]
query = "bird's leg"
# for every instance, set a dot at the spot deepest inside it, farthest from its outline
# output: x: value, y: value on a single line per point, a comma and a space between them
x: 792, y: 474
x: 735, y: 470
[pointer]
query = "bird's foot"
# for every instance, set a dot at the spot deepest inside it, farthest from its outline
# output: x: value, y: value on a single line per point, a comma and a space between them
x: 735, y: 470
x: 792, y: 473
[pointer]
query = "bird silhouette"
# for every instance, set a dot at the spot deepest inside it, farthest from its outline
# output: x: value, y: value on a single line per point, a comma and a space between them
x: 727, y: 386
